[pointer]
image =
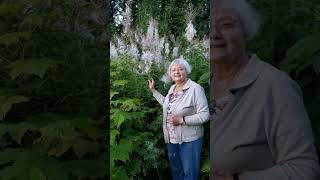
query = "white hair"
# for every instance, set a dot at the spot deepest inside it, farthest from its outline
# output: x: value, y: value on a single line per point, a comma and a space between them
x: 248, y: 16
x: 179, y: 61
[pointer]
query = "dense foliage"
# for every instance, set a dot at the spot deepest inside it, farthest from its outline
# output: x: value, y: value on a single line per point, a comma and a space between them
x: 137, y: 148
x: 169, y: 13
x: 52, y: 64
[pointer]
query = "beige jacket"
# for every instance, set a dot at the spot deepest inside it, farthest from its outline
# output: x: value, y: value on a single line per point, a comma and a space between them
x: 192, y: 105
x: 264, y: 132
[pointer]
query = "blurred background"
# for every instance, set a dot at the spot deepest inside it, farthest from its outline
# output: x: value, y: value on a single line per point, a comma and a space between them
x: 53, y: 58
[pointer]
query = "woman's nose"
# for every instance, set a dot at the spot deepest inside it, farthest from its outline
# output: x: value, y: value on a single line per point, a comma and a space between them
x: 216, y: 33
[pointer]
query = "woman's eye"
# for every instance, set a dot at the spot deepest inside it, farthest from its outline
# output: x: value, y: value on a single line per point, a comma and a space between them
x: 228, y: 24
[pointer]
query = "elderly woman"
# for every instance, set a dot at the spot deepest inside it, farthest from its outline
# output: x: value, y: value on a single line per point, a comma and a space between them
x: 185, y: 109
x: 260, y: 129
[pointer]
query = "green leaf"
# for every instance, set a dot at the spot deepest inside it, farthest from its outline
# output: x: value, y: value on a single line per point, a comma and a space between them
x: 204, y: 78
x: 121, y: 152
x: 299, y: 56
x: 7, y: 101
x: 82, y: 147
x: 112, y: 93
x: 56, y: 136
x: 113, y: 134
x: 131, y: 104
x: 119, y: 174
x: 31, y: 66
x: 59, y: 147
x: 6, y: 9
x: 44, y: 119
x: 52, y: 168
x: 13, y: 38
x: 134, y: 167
x: 33, y: 20
x: 37, y: 174
x: 118, y: 118
x: 30, y: 165
x: 116, y: 103
x: 155, y: 125
x: 86, y: 126
x: 17, y: 131
x: 119, y: 83
x: 205, y: 167
x: 3, y: 129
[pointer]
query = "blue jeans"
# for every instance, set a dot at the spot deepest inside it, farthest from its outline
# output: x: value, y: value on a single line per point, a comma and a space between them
x: 184, y: 160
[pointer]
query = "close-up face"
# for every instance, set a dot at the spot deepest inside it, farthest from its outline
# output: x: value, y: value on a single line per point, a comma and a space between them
x: 227, y: 39
x: 178, y: 73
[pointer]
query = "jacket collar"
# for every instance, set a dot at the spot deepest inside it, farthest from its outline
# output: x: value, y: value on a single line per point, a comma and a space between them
x: 249, y: 74
x: 185, y: 86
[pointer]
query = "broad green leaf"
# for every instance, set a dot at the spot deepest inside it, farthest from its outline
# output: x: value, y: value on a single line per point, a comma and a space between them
x: 112, y: 93
x: 27, y: 165
x: 9, y: 155
x: 118, y: 118
x: 82, y: 147
x: 6, y: 9
x: 17, y: 131
x: 37, y: 174
x: 52, y: 168
x: 113, y: 134
x: 137, y: 115
x: 155, y: 125
x: 116, y: 103
x: 299, y: 56
x: 204, y: 78
x: 44, y: 119
x: 55, y: 134
x: 111, y: 163
x: 60, y: 133
x: 113, y: 74
x: 86, y: 126
x: 119, y: 174
x: 119, y: 83
x: 13, y: 38
x: 7, y: 101
x: 131, y: 104
x: 134, y: 167
x: 3, y: 129
x: 33, y: 20
x: 59, y: 147
x: 121, y: 151
x: 205, y: 166
x: 31, y: 66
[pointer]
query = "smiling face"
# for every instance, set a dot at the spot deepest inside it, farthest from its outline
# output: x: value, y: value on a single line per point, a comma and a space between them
x: 178, y: 73
x: 227, y: 40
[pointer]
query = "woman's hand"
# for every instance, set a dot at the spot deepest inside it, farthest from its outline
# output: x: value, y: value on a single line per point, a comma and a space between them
x: 151, y: 85
x: 175, y: 120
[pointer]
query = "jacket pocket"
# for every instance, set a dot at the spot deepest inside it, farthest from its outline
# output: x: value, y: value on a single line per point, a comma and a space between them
x: 187, y: 110
x: 190, y: 132
x: 258, y: 154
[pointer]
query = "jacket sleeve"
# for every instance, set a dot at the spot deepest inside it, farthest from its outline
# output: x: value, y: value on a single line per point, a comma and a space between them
x: 202, y: 109
x: 289, y: 136
x: 159, y: 97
